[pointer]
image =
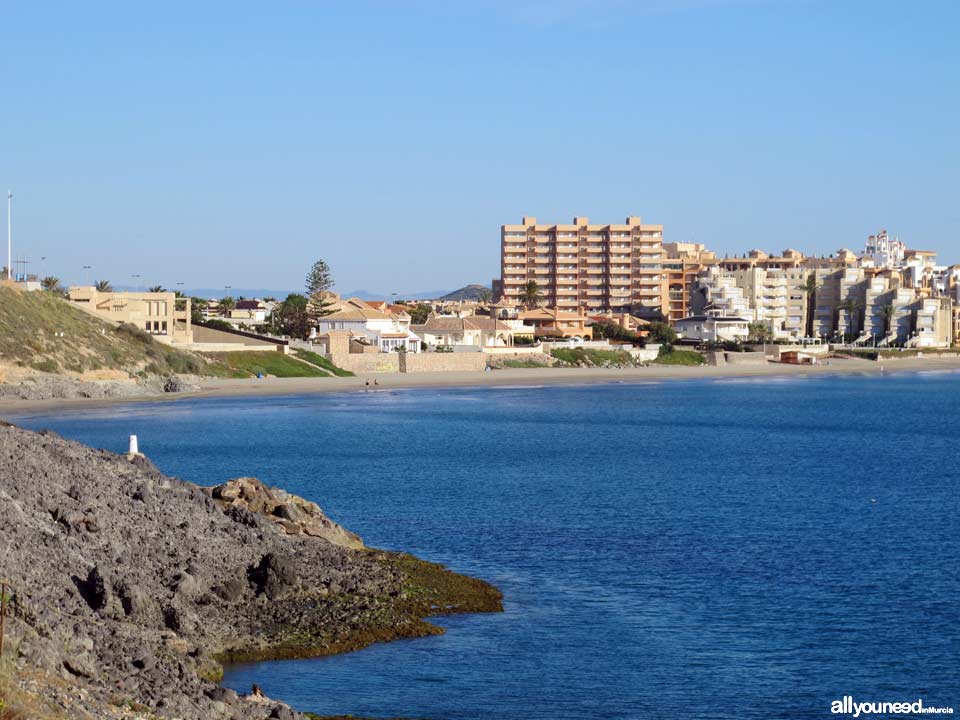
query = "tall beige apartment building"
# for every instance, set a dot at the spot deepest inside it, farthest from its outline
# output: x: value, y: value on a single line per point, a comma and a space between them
x: 596, y: 267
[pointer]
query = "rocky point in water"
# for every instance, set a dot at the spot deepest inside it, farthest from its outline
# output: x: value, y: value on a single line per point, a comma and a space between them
x: 128, y: 589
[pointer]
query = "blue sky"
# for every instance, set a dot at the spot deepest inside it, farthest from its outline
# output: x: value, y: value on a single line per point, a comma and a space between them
x: 234, y: 143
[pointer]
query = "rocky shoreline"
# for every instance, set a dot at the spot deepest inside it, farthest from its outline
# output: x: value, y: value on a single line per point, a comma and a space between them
x: 129, y: 590
x: 46, y: 386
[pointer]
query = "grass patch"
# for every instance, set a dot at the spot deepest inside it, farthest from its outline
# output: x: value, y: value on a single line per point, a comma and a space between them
x: 46, y: 332
x: 592, y: 357
x: 523, y: 364
x: 247, y: 364
x: 321, y: 361
x: 669, y: 355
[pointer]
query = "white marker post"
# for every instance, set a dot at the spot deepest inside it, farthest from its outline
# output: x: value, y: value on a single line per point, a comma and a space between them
x: 134, y: 449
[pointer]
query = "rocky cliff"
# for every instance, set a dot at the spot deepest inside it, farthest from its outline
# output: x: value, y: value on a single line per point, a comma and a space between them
x: 127, y: 589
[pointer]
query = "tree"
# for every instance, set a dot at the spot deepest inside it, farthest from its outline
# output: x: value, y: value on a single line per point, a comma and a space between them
x: 614, y: 331
x: 293, y: 316
x: 759, y: 332
x: 887, y: 312
x: 197, y: 307
x: 531, y: 296
x: 156, y: 288
x: 319, y: 285
x: 810, y: 288
x: 227, y: 304
x: 103, y: 286
x: 484, y: 296
x: 52, y: 284
x: 849, y: 307
x: 661, y: 333
x: 419, y: 314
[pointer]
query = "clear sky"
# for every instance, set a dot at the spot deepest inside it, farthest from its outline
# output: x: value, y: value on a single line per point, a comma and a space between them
x: 216, y: 143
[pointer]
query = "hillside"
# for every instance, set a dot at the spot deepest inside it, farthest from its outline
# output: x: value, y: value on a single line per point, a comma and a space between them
x: 127, y: 589
x: 44, y: 332
x: 468, y: 292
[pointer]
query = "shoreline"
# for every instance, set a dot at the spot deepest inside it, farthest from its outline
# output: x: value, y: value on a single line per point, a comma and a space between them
x: 512, y: 377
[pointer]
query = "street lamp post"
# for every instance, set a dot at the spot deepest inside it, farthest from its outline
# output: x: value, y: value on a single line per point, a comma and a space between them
x: 86, y: 274
x: 9, y: 234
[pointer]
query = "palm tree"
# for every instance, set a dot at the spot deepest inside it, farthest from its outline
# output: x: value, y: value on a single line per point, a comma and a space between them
x: 887, y: 312
x: 157, y: 288
x: 810, y: 288
x: 103, y: 286
x: 484, y: 296
x: 849, y: 307
x: 227, y: 304
x: 531, y: 296
x: 52, y: 284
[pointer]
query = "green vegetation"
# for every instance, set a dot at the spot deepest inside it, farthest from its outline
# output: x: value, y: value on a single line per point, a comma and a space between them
x: 43, y: 331
x: 247, y: 364
x: 760, y: 332
x: 419, y: 313
x: 320, y: 361
x: 590, y: 357
x: 661, y: 333
x: 427, y: 589
x: 523, y: 364
x: 615, y: 331
x: 531, y: 296
x: 319, y: 286
x: 669, y: 355
x: 216, y: 324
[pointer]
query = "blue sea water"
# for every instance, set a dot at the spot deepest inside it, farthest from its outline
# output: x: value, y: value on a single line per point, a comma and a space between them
x: 706, y: 549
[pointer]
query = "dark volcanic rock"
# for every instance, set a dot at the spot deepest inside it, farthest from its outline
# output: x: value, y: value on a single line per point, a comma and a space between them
x: 129, y: 587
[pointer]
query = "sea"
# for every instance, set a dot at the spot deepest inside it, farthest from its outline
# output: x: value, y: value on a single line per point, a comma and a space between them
x: 729, y: 548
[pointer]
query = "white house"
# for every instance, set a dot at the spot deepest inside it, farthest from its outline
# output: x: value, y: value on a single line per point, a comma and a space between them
x: 387, y: 331
x: 714, y: 328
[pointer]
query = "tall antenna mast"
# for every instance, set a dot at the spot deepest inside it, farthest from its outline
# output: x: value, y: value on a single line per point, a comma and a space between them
x: 9, y: 234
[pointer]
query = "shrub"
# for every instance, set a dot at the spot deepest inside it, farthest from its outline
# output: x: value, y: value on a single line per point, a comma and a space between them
x: 671, y: 356
x: 47, y: 366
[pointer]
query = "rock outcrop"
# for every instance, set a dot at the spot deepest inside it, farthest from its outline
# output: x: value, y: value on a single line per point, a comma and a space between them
x: 128, y: 588
x: 293, y: 514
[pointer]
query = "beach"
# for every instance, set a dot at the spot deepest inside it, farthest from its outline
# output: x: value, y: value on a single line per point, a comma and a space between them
x: 253, y: 387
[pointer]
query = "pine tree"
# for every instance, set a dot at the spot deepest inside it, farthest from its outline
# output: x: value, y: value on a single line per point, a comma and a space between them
x: 319, y: 285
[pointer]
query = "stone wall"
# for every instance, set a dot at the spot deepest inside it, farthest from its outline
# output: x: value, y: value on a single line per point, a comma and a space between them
x: 367, y: 363
x: 410, y: 362
x: 442, y: 362
x: 745, y: 358
x: 205, y: 335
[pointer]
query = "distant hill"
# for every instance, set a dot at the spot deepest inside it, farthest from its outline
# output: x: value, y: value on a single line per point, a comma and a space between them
x: 208, y: 293
x: 373, y: 295
x: 468, y: 292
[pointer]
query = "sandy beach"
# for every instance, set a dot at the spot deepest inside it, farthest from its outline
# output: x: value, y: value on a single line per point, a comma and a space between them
x: 213, y: 387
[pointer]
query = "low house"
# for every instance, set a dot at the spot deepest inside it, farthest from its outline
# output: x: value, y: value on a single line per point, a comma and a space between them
x: 162, y: 314
x: 387, y: 332
x: 475, y: 331
x: 248, y: 312
x: 556, y: 323
x: 713, y: 328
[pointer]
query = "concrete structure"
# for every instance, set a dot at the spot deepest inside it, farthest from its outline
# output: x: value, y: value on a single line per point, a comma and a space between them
x: 161, y: 314
x: 772, y: 296
x: 385, y: 332
x: 882, y: 251
x: 595, y: 267
x: 682, y: 263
